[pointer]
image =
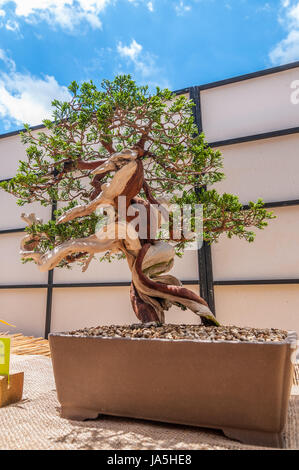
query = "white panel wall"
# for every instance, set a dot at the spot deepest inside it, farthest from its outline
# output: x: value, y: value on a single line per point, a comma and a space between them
x: 249, y: 107
x: 97, y: 272
x: 266, y: 168
x: 24, y: 308
x: 77, y: 308
x: 11, y: 151
x: 185, y: 268
x: 12, y: 270
x: 273, y: 255
x: 11, y: 212
x: 259, y: 306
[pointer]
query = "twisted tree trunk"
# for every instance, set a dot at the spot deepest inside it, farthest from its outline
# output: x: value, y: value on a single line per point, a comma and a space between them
x: 152, y: 291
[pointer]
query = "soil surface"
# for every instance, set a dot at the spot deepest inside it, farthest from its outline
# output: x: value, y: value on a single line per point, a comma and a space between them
x: 179, y: 332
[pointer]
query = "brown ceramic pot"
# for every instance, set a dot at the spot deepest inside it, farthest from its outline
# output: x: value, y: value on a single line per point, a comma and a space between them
x: 241, y: 388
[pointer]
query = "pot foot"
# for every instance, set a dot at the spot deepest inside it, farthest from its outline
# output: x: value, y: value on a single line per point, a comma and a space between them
x: 255, y: 438
x: 78, y: 414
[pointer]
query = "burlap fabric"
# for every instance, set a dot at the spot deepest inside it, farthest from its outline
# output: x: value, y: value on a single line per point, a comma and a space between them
x: 35, y: 423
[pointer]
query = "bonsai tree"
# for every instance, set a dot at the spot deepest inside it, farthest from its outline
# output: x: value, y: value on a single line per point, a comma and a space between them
x: 122, y: 143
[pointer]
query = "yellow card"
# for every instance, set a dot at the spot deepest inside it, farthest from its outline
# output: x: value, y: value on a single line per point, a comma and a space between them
x: 4, y: 356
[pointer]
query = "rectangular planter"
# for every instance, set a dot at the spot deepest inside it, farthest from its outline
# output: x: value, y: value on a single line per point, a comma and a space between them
x: 11, y: 392
x: 241, y: 388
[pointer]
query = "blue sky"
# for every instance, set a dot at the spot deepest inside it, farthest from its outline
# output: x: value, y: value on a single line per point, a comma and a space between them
x: 45, y: 44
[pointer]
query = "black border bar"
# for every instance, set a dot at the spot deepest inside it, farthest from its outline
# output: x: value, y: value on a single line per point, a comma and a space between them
x: 70, y: 285
x: 277, y: 204
x: 256, y: 137
x: 50, y: 288
x: 249, y: 76
x: 13, y: 133
x: 192, y: 282
x: 204, y: 255
x: 201, y: 261
x: 11, y: 230
x: 256, y: 282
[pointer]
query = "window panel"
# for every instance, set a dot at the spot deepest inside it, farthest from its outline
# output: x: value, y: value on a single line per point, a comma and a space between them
x: 249, y: 107
x: 273, y: 255
x: 267, y: 168
x: 96, y: 272
x: 78, y: 308
x: 12, y: 270
x: 271, y: 306
x: 11, y: 212
x: 24, y: 308
x: 185, y: 268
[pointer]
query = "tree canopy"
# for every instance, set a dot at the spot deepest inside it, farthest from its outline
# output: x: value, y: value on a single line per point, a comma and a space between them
x: 95, y: 124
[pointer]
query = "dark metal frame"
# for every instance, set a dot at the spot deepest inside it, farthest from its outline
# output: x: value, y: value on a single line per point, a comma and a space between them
x: 205, y: 267
x: 204, y: 255
x: 78, y: 284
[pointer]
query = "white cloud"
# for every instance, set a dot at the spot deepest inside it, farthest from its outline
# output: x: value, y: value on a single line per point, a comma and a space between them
x: 143, y: 63
x: 25, y: 98
x: 12, y: 25
x: 264, y: 8
x: 10, y: 64
x: 132, y: 51
x: 150, y: 6
x: 293, y: 14
x: 287, y: 50
x: 65, y: 13
x: 182, y: 8
x: 6, y: 124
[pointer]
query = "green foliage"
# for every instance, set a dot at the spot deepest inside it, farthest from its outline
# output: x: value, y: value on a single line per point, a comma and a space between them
x: 225, y: 214
x: 53, y: 234
x: 95, y: 123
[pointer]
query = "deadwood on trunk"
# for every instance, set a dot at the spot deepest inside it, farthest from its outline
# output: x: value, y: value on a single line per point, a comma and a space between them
x: 152, y: 292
